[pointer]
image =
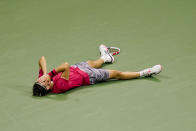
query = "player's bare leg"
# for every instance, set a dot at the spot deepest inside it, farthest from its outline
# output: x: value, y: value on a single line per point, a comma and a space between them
x: 114, y: 74
x: 96, y: 64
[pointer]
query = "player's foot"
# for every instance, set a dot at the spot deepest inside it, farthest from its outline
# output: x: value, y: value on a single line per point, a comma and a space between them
x: 151, y: 71
x: 105, y: 55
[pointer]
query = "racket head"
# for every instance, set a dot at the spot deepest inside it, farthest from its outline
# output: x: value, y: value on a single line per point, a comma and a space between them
x: 114, y: 50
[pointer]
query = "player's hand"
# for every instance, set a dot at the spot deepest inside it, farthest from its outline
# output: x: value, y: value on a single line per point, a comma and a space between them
x: 45, y: 79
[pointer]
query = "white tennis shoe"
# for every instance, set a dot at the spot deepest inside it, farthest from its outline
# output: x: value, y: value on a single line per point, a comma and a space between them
x: 151, y: 71
x: 105, y: 55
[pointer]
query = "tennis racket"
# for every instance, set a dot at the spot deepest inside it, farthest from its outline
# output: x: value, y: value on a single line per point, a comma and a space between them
x: 114, y: 50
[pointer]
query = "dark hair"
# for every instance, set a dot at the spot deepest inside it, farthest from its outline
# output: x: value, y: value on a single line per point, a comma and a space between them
x: 39, y: 90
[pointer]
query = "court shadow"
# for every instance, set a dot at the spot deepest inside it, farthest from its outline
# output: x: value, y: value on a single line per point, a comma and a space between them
x: 57, y: 97
x: 164, y: 77
x: 151, y: 78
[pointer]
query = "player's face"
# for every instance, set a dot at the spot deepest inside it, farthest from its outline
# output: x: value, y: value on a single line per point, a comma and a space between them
x: 45, y: 83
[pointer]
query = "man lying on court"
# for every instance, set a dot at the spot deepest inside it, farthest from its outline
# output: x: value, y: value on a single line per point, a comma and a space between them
x: 66, y: 77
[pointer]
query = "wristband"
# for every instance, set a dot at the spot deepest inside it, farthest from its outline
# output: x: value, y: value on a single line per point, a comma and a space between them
x: 52, y: 73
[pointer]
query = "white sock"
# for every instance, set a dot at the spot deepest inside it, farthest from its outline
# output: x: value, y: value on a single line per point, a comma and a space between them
x: 141, y: 73
x: 145, y: 72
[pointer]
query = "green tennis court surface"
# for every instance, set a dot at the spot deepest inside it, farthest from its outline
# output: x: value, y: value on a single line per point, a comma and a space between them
x: 147, y: 32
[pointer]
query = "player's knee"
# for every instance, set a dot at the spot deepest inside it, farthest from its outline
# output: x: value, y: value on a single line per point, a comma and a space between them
x: 118, y: 74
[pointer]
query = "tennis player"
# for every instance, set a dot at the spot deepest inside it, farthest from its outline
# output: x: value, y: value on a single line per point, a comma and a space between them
x: 66, y: 77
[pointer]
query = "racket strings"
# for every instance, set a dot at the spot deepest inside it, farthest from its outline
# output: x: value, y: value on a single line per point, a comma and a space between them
x: 114, y: 50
